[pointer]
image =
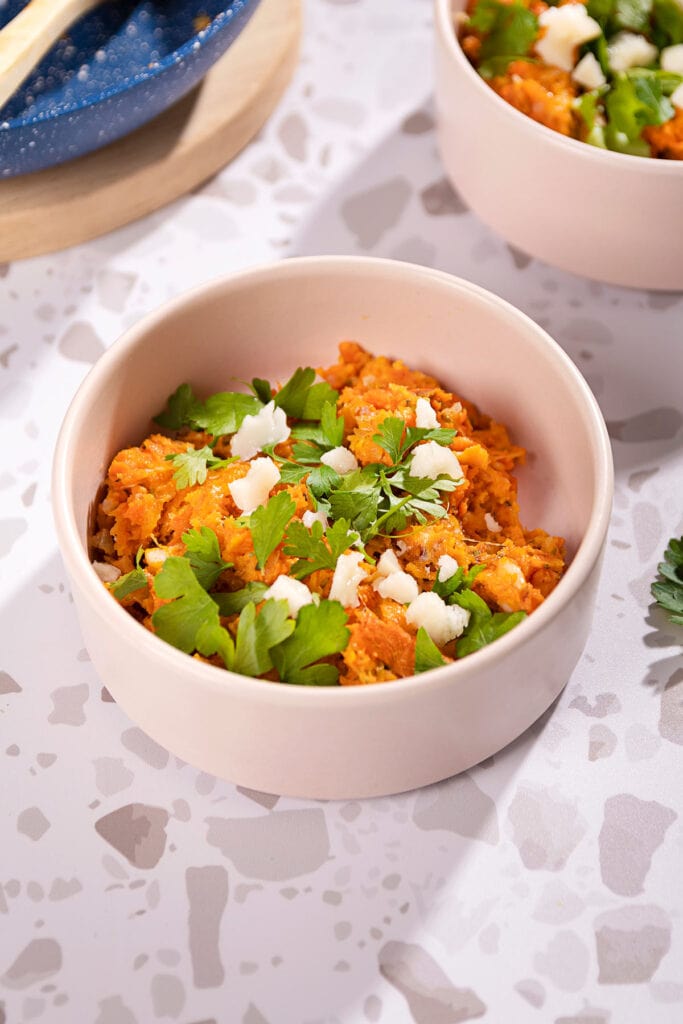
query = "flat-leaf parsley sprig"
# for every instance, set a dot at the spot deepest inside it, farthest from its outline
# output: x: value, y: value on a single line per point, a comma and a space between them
x: 265, y: 637
x: 668, y: 592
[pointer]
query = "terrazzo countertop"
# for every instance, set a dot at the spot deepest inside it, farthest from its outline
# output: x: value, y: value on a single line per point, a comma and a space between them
x: 543, y: 886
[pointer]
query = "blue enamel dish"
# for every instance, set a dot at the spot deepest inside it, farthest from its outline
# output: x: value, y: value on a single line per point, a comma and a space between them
x: 114, y: 70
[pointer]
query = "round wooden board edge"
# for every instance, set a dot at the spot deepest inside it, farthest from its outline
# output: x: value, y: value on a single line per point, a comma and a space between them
x: 75, y: 202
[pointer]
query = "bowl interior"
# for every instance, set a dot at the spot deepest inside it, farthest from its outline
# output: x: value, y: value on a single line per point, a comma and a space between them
x: 266, y: 323
x: 116, y: 45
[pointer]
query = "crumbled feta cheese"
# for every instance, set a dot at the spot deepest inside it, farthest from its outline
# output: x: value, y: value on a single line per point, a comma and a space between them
x: 253, y: 489
x: 268, y: 426
x: 388, y: 563
x: 308, y: 518
x: 294, y: 592
x: 431, y: 459
x: 447, y: 568
x: 156, y: 556
x: 566, y: 28
x: 492, y: 524
x: 107, y: 573
x: 513, y: 570
x: 425, y: 416
x: 443, y: 622
x: 401, y: 547
x: 627, y: 50
x: 671, y: 59
x: 677, y: 97
x: 341, y: 460
x: 400, y: 586
x: 347, y: 575
x: 588, y: 72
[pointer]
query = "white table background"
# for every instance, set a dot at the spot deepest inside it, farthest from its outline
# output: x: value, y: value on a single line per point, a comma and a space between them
x: 543, y: 886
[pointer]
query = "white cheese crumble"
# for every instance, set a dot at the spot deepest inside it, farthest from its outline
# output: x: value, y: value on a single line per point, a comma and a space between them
x: 431, y: 459
x: 388, y: 563
x: 627, y: 50
x: 671, y: 59
x: 308, y: 518
x: 156, y: 556
x: 492, y: 523
x: 268, y: 426
x: 677, y: 97
x: 425, y: 416
x: 107, y: 573
x: 443, y: 622
x: 341, y: 460
x: 253, y: 489
x: 347, y: 575
x: 588, y: 72
x: 565, y: 28
x: 509, y: 567
x: 294, y: 592
x: 400, y: 586
x: 447, y: 568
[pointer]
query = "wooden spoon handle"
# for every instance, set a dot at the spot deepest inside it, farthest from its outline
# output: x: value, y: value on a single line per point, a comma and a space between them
x: 28, y: 36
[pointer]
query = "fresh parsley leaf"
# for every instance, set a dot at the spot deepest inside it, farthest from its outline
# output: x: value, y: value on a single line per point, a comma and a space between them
x: 667, y: 18
x: 397, y: 440
x: 320, y: 632
x: 311, y: 551
x: 321, y: 480
x: 301, y: 398
x: 356, y: 499
x: 180, y: 409
x: 327, y: 434
x: 224, y: 412
x: 191, y: 609
x: 669, y: 592
x: 134, y: 580
x: 291, y: 472
x: 204, y: 555
x: 125, y: 585
x: 588, y: 107
x: 484, y: 626
x: 219, y: 414
x: 192, y: 466
x: 633, y: 102
x: 257, y: 634
x: 268, y: 523
x: 508, y: 28
x: 460, y: 580
x: 262, y: 390
x: 232, y: 602
x: 427, y: 654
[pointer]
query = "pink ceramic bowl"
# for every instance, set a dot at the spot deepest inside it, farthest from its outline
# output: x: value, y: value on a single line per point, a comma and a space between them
x: 353, y: 741
x: 604, y: 215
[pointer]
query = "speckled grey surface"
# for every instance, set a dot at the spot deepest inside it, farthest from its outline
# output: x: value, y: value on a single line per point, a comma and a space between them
x: 542, y: 886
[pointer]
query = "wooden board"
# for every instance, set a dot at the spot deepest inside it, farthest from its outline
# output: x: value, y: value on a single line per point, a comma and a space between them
x: 164, y: 159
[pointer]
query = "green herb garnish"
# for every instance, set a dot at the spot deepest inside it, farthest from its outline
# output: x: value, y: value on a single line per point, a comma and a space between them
x: 310, y: 549
x: 192, y: 466
x: 509, y: 29
x: 134, y: 580
x: 484, y: 626
x: 669, y: 592
x: 232, y: 602
x: 427, y: 654
x: 633, y: 102
x: 320, y: 632
x: 204, y: 555
x: 268, y: 523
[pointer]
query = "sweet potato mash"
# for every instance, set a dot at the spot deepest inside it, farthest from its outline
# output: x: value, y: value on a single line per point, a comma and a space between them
x: 374, y: 511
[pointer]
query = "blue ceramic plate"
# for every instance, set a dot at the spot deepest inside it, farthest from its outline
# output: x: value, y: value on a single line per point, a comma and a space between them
x: 117, y: 68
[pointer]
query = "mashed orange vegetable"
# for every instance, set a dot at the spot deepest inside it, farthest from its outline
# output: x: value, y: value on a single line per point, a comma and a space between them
x: 141, y: 506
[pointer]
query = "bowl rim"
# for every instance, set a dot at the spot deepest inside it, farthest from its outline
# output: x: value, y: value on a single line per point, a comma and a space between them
x: 192, y: 45
x: 443, y: 13
x: 148, y: 645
